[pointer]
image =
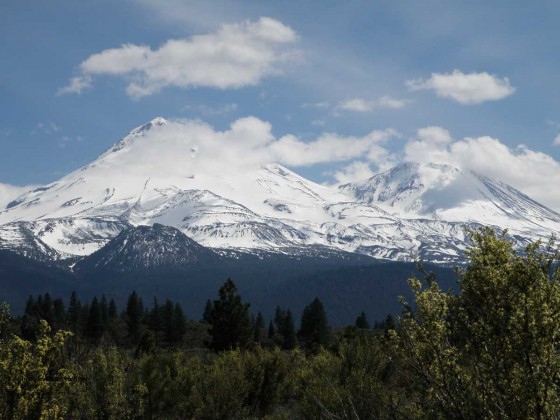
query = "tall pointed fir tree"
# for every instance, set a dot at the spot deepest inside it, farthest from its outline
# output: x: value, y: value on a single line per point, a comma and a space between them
x: 230, y: 326
x: 314, y: 329
x: 134, y: 316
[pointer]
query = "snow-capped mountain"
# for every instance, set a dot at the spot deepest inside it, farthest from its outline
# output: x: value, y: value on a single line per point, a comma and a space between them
x: 161, y: 173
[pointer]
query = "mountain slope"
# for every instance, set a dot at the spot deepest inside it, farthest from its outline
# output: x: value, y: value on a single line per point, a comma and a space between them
x: 162, y: 172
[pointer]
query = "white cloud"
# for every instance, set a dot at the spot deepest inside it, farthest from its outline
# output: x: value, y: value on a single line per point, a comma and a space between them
x: 467, y: 89
x: 330, y: 147
x: 46, y: 128
x: 354, y: 171
x: 557, y: 140
x: 66, y: 140
x: 10, y: 192
x: 363, y: 105
x: 535, y: 173
x: 76, y: 85
x: 235, y: 56
x: 317, y: 105
x: 356, y: 104
x: 318, y: 123
x: 249, y: 143
x: 392, y: 103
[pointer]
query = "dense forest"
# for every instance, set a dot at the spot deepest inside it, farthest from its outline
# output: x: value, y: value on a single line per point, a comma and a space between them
x: 488, y: 350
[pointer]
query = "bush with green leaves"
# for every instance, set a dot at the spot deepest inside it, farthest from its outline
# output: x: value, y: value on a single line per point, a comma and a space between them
x: 241, y: 384
x: 353, y: 383
x: 491, y: 351
x: 33, y: 377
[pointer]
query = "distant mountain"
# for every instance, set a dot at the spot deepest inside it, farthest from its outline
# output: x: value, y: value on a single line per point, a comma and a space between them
x: 147, y: 248
x: 159, y: 174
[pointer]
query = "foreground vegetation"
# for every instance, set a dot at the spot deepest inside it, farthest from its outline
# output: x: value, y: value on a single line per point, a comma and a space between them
x: 490, y: 351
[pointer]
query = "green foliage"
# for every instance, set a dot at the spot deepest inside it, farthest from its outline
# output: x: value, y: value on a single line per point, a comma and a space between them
x: 101, y: 388
x: 167, y: 380
x: 353, y: 384
x: 240, y: 384
x: 33, y: 377
x: 492, y: 350
x: 5, y: 318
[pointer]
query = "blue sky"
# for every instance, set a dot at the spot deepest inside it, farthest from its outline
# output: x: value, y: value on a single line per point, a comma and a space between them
x: 470, y: 83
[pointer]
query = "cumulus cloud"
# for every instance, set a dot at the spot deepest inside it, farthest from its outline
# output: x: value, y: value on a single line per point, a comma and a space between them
x: 355, y: 171
x: 363, y: 105
x: 76, y: 85
x: 535, y: 173
x: 235, y: 56
x: 330, y: 147
x: 465, y: 88
x: 247, y: 144
x: 11, y: 192
x: 557, y: 140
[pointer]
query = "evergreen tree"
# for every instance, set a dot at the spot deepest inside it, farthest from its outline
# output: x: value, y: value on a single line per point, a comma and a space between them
x: 167, y: 315
x: 289, y: 336
x: 155, y: 321
x: 74, y: 314
x: 104, y: 310
x: 362, y: 322
x: 230, y: 326
x: 30, y: 306
x: 59, y: 314
x: 179, y: 324
x: 271, y: 331
x: 94, y: 324
x: 30, y: 320
x: 207, y: 311
x: 134, y: 315
x: 46, y: 309
x: 314, y: 329
x: 113, y: 312
x: 259, y: 328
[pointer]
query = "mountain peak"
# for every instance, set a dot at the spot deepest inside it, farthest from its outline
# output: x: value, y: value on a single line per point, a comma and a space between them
x: 135, y: 133
x: 149, y: 247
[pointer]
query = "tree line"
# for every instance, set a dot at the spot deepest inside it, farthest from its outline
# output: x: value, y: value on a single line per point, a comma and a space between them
x: 491, y: 350
x: 226, y: 323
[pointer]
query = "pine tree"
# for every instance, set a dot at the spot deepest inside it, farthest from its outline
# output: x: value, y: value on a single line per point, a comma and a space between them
x: 207, y: 311
x: 74, y: 314
x: 46, y: 309
x: 259, y: 328
x: 362, y: 322
x: 314, y: 329
x: 94, y: 323
x: 59, y: 314
x: 289, y: 332
x: 271, y: 331
x: 113, y: 312
x: 230, y: 326
x: 104, y: 310
x: 167, y: 314
x: 155, y: 321
x: 30, y: 306
x: 134, y: 315
x: 179, y: 324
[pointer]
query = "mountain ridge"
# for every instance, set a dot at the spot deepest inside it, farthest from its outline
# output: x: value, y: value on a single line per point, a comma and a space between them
x: 160, y: 173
